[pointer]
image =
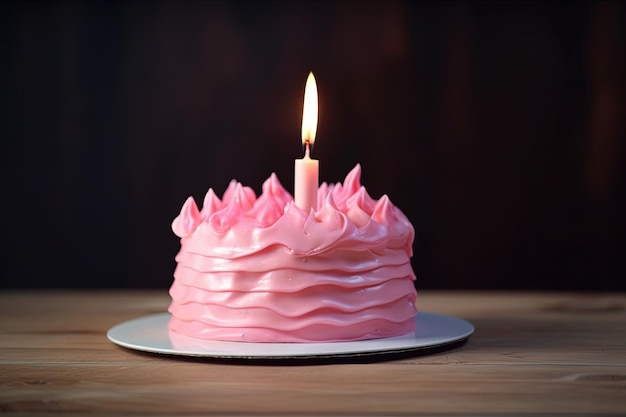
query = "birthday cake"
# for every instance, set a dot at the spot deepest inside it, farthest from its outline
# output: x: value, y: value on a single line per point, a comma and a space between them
x: 263, y: 270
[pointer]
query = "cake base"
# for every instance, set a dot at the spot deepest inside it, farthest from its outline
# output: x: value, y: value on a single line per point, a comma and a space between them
x: 151, y: 334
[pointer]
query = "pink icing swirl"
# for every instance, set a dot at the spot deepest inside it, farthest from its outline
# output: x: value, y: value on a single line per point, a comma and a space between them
x: 263, y: 270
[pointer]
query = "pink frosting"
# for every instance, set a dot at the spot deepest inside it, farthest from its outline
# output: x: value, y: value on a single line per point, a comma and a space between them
x: 263, y: 270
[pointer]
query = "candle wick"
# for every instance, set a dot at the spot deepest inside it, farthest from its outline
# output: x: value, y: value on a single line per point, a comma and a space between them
x: 307, y: 148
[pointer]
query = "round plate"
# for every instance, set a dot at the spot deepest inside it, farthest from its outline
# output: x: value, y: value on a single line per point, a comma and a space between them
x: 150, y: 334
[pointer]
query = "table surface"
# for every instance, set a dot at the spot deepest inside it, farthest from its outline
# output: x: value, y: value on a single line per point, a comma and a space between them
x: 533, y: 353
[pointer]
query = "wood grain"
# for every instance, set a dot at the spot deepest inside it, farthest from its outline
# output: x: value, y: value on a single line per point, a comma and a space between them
x: 531, y: 354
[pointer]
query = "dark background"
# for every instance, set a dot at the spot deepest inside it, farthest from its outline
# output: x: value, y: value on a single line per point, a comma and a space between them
x: 497, y: 127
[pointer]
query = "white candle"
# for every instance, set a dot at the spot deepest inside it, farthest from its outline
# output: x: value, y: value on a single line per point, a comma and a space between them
x: 306, y: 178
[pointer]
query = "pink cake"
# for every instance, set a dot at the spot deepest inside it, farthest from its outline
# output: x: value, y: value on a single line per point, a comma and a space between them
x: 263, y: 270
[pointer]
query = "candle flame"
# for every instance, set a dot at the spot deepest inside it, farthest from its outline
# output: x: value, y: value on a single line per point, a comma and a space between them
x: 309, y: 113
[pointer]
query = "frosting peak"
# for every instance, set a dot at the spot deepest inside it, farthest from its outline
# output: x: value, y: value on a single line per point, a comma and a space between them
x: 188, y: 219
x: 347, y: 216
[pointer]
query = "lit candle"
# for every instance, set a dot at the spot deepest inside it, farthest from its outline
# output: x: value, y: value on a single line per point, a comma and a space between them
x: 306, y: 176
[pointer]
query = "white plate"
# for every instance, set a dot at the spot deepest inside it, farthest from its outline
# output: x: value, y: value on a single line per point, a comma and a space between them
x: 150, y: 334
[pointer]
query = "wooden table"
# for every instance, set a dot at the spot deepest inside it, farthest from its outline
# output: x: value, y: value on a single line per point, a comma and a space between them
x: 531, y: 354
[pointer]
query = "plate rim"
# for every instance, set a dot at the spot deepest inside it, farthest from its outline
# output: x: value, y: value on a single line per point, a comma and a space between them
x: 392, y: 345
